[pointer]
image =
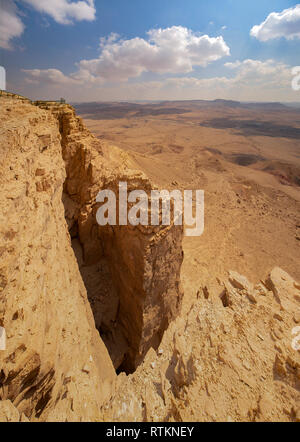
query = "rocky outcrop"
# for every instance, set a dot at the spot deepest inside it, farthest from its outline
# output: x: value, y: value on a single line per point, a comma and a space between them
x: 9, y: 413
x: 54, y: 363
x: 234, y: 362
x: 144, y: 262
x: 56, y: 366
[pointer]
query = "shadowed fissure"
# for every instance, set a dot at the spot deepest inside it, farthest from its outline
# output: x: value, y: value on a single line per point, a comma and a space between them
x: 131, y: 274
x: 132, y: 296
x: 101, y: 292
x: 103, y: 296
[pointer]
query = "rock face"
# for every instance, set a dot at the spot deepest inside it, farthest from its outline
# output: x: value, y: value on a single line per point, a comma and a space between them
x: 144, y: 263
x: 55, y: 366
x: 284, y: 288
x: 9, y: 413
x: 49, y: 325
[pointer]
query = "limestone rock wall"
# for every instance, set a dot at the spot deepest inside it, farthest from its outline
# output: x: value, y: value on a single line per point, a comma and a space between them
x: 55, y: 366
x: 145, y: 265
x: 144, y: 262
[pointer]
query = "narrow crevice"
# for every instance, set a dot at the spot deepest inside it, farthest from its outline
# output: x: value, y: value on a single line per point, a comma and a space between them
x: 103, y: 299
x: 225, y: 298
x: 131, y: 274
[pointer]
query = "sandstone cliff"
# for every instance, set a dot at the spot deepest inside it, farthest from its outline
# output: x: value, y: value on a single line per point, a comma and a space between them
x: 54, y: 364
x: 55, y: 359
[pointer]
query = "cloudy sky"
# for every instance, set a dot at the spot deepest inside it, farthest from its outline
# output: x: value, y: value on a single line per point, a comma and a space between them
x: 91, y: 50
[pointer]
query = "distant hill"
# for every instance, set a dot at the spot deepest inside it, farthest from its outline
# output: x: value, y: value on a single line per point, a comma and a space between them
x: 115, y: 110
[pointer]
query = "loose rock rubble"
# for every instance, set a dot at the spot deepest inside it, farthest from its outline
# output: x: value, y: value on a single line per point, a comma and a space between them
x: 233, y: 363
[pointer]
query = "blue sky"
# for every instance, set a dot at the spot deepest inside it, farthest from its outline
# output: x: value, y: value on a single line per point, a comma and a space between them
x: 44, y: 58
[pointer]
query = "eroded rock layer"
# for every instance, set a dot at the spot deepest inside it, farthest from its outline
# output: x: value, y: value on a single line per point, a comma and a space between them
x: 229, y: 362
x: 55, y: 365
x: 144, y: 263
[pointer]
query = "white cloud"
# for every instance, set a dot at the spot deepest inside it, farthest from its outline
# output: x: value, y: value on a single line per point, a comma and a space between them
x: 171, y: 50
x: 50, y: 76
x: 253, y: 80
x: 248, y: 80
x: 279, y: 24
x: 269, y: 73
x: 110, y: 39
x: 11, y: 25
x: 233, y: 65
x: 249, y: 74
x: 65, y: 11
x: 62, y: 11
